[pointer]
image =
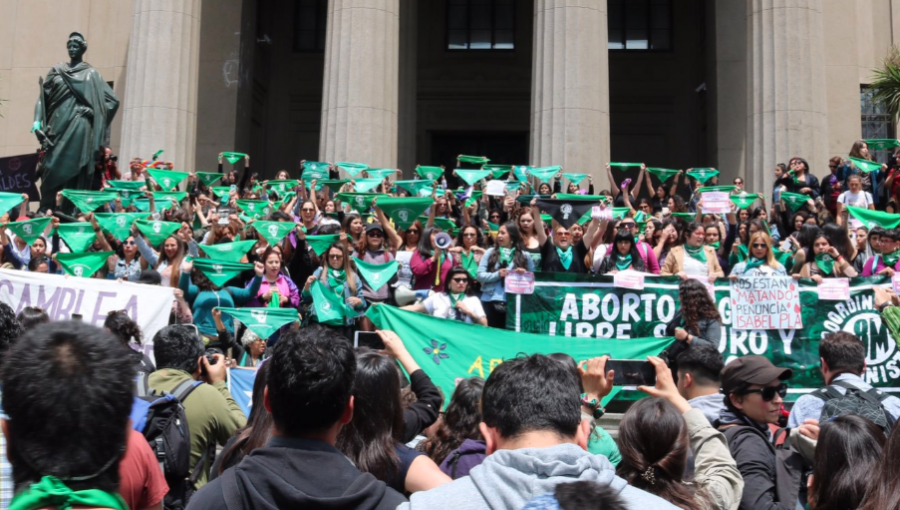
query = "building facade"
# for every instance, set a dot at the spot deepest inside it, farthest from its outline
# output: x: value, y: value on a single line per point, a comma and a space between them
x: 735, y: 84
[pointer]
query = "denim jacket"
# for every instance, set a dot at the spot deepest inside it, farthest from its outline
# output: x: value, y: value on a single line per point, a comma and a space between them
x: 492, y: 288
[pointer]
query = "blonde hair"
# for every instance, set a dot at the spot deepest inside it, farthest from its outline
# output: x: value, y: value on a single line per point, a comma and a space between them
x: 770, y: 256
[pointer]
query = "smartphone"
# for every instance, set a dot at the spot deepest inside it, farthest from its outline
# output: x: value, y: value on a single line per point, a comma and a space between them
x: 787, y: 246
x: 632, y: 372
x: 368, y: 339
x: 77, y: 317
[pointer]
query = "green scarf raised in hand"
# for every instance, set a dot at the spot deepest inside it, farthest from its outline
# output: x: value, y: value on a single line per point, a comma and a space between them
x: 506, y: 256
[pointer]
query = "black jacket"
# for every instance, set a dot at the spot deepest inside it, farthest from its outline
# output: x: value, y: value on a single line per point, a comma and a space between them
x: 756, y: 460
x: 295, y: 473
x: 424, y: 411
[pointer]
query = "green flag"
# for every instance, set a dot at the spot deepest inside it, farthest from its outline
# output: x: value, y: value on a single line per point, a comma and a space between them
x: 221, y: 191
x: 233, y: 157
x: 85, y: 201
x: 283, y: 186
x: 625, y: 166
x: 352, y: 169
x: 273, y: 231
x: 794, y: 200
x: 544, y: 174
x: 472, y: 176
x: 497, y: 171
x: 575, y: 178
x: 414, y: 186
x: 727, y: 188
x: 429, y: 173
x: 314, y: 170
x: 334, y: 184
x: 29, y: 230
x: 865, y: 166
x: 376, y: 275
x: 209, y: 178
x: 452, y: 349
x: 77, y: 236
x: 744, y: 200
x: 663, y: 174
x: 402, y: 210
x: 255, y: 208
x: 320, y: 244
x: 366, y: 185
x: 380, y: 173
x: 83, y: 264
x: 118, y: 224
x: 229, y: 252
x: 9, y: 200
x: 330, y: 308
x: 684, y: 216
x: 871, y: 218
x: 262, y: 321
x: 220, y: 272
x: 472, y: 160
x: 157, y: 232
x: 882, y: 144
x: 703, y: 174
x: 167, y: 179
x: 362, y: 202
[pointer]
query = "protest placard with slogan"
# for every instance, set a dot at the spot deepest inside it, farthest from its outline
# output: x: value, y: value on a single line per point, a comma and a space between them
x: 765, y: 302
x: 17, y: 175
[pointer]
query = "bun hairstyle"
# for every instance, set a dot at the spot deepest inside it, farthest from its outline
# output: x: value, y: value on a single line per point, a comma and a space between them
x: 119, y: 324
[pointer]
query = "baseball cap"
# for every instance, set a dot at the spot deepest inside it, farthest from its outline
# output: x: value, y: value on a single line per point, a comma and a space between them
x: 751, y: 370
x: 373, y: 226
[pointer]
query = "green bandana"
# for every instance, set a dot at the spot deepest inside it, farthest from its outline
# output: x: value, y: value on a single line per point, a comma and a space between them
x: 882, y: 144
x: 51, y: 492
x: 157, y: 232
x: 472, y: 160
x: 448, y: 226
x: 794, y: 200
x: 118, y: 224
x: 506, y: 256
x: 544, y: 174
x: 255, y: 208
x: 77, y: 236
x: 620, y: 212
x: 229, y: 252
x: 209, y: 178
x: 220, y: 272
x: 497, y: 171
x: 362, y: 202
x: 273, y: 231
x: 283, y: 186
x: 366, y: 185
x: 314, y: 170
x: 469, y: 264
x: 864, y: 165
x: 233, y: 157
x: 871, y: 218
x: 330, y: 307
x: 221, y: 191
x: 625, y: 166
x: 10, y: 200
x: 575, y: 178
x: 337, y: 278
x: 415, y: 186
x: 727, y: 188
x: 404, y: 211
x: 744, y: 200
x: 376, y: 275
x: 320, y: 244
x: 703, y: 174
x: 743, y: 252
x: 380, y: 173
x: 663, y: 174
x: 696, y: 252
x: 167, y: 179
x: 472, y: 176
x: 753, y: 263
x: 825, y: 262
x: 127, y: 185
x: 169, y: 196
x: 143, y: 204
x: 83, y: 264
x: 430, y: 173
x: 623, y: 262
x: 29, y: 230
x: 352, y: 169
x: 890, y: 259
x: 565, y: 257
x: 86, y: 201
x: 513, y: 185
x: 334, y: 185
x: 684, y: 216
x: 262, y: 321
x: 714, y: 245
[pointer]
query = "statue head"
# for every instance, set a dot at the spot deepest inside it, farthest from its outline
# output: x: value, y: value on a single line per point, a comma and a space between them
x: 77, y: 45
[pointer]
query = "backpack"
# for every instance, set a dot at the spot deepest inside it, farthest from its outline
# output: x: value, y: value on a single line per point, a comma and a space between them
x: 160, y: 417
x: 868, y: 404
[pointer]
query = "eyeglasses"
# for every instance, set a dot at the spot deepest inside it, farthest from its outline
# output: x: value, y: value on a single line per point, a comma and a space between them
x: 758, y: 245
x: 336, y: 256
x: 768, y: 393
x: 461, y: 280
x: 470, y: 234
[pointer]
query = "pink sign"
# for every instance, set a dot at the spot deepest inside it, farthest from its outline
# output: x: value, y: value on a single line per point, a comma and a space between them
x: 835, y: 289
x: 629, y: 280
x: 519, y: 283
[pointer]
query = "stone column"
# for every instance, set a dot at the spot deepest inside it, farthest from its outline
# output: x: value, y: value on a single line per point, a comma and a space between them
x: 570, y: 87
x: 787, y: 110
x: 162, y: 81
x: 360, y: 94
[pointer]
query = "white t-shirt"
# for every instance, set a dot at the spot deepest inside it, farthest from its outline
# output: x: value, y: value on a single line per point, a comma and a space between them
x: 861, y: 199
x: 438, y: 305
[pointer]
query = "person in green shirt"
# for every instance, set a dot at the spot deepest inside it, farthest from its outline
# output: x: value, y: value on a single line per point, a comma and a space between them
x: 212, y: 415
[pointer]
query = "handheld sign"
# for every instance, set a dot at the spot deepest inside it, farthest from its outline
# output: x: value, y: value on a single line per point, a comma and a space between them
x: 519, y: 283
x: 629, y: 280
x: 834, y: 289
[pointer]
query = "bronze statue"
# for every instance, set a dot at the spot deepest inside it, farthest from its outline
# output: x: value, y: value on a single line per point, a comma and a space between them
x: 71, y: 118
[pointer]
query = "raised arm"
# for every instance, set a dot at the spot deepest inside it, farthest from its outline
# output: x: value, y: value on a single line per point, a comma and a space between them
x: 637, y: 185
x: 538, y: 223
x: 612, y: 183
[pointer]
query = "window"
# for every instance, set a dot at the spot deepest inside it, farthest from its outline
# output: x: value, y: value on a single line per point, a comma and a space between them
x: 481, y: 24
x: 310, y: 20
x: 876, y: 121
x: 640, y: 25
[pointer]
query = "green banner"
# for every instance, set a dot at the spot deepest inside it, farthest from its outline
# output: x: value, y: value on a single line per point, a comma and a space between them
x: 865, y: 166
x: 314, y: 170
x: 430, y: 173
x: 263, y: 321
x: 663, y: 174
x: 118, y: 224
x: 380, y: 173
x: 376, y: 275
x: 229, y: 252
x: 167, y: 179
x: 273, y: 231
x: 29, y: 230
x: 330, y: 308
x: 703, y: 174
x: 77, y: 236
x: 157, y: 232
x: 352, y: 169
x: 744, y: 200
x: 544, y: 174
x: 209, y: 178
x: 320, y: 244
x: 566, y: 305
x: 85, y: 201
x: 404, y: 210
x: 362, y: 202
x: 473, y: 176
x: 450, y: 349
x: 795, y: 201
x: 83, y: 264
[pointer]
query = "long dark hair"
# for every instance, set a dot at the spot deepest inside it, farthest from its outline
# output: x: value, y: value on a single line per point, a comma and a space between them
x: 259, y: 426
x: 377, y: 425
x: 696, y: 304
x: 120, y: 324
x: 479, y: 236
x: 425, y: 248
x: 846, y: 456
x: 636, y: 261
x: 654, y: 443
x: 837, y: 237
x: 515, y: 240
x: 460, y: 420
x: 884, y: 485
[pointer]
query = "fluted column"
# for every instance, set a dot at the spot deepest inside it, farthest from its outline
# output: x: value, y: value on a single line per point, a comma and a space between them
x: 570, y: 86
x: 787, y: 110
x: 360, y: 94
x: 161, y: 81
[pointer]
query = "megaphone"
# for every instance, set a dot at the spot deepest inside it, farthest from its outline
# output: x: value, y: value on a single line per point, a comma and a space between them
x: 404, y: 295
x: 442, y: 241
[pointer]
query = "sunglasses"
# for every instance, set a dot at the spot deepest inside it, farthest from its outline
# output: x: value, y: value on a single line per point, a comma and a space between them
x: 307, y: 209
x: 470, y: 235
x: 130, y: 243
x: 412, y: 231
x: 627, y: 225
x: 461, y: 280
x: 375, y: 233
x: 335, y: 256
x: 563, y: 234
x: 758, y: 245
x: 768, y: 393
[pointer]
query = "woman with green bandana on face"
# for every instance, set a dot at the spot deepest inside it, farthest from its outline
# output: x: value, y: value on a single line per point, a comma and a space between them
x: 624, y: 255
x: 761, y: 260
x: 825, y: 262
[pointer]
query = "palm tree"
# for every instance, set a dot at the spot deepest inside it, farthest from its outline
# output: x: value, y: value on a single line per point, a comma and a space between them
x: 886, y: 82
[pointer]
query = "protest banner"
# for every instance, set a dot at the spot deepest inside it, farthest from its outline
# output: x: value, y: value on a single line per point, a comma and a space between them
x: 765, y: 302
x: 17, y: 175
x: 148, y: 305
x: 565, y: 305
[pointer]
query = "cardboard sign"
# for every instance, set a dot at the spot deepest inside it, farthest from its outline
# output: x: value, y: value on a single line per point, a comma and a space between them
x: 519, y: 283
x: 629, y: 280
x: 835, y: 289
x: 767, y: 302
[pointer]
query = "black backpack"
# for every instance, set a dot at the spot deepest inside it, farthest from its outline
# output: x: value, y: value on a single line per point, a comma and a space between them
x: 160, y: 417
x: 868, y: 404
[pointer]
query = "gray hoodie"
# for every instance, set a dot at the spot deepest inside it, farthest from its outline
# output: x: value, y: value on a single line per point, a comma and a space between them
x: 711, y: 405
x: 507, y: 479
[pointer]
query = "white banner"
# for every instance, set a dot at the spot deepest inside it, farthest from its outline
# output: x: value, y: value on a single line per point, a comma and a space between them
x: 769, y: 302
x: 61, y: 297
